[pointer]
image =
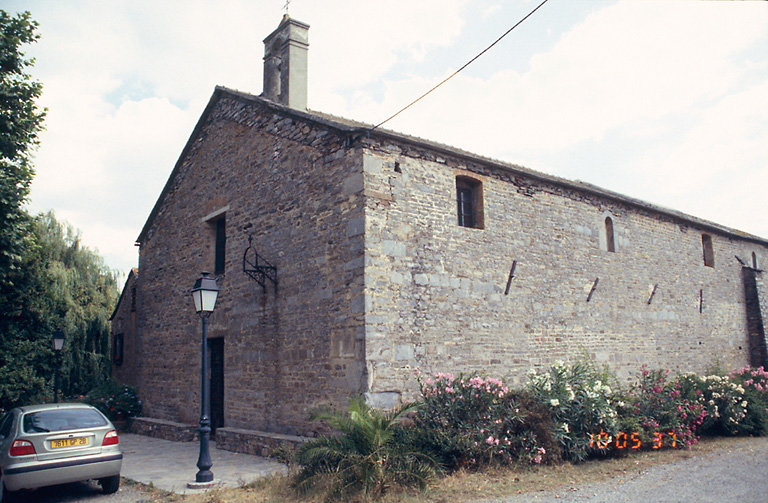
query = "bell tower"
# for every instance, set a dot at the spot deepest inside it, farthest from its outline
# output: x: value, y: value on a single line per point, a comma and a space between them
x: 285, y: 64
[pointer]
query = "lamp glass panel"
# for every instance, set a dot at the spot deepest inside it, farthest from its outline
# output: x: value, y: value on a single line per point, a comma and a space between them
x: 197, y: 296
x: 58, y: 344
x: 209, y: 299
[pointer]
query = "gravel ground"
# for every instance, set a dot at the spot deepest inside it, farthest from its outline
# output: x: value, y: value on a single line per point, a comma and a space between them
x: 89, y: 492
x: 735, y: 474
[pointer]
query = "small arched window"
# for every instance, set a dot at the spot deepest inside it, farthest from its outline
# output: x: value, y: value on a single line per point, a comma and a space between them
x: 709, y: 254
x: 610, y: 244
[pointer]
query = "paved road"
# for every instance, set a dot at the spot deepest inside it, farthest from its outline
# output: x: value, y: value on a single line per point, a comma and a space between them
x: 167, y: 465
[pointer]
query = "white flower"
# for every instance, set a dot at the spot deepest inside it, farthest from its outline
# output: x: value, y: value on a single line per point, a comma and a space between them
x: 744, y: 403
x: 565, y: 427
x: 554, y: 402
x: 571, y: 396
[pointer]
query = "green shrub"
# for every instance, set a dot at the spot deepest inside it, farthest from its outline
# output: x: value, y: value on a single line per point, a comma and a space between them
x: 580, y: 400
x: 667, y: 413
x: 755, y: 384
x: 115, y: 400
x: 470, y: 421
x: 364, y: 457
x: 724, y: 400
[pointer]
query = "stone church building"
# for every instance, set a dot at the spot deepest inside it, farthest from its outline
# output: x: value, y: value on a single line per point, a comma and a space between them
x: 348, y: 258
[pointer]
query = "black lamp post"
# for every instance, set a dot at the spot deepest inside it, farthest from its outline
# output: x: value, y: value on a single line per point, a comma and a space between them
x: 58, y: 345
x: 204, y: 294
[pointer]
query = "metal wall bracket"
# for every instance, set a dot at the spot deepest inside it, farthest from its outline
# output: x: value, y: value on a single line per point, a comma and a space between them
x: 257, y: 268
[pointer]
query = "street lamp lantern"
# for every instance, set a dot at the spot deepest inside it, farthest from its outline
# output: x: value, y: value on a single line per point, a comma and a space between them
x: 204, y: 293
x: 58, y: 340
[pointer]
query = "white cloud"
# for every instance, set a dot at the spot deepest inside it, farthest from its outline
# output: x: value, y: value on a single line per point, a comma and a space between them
x: 671, y: 81
x: 597, y: 78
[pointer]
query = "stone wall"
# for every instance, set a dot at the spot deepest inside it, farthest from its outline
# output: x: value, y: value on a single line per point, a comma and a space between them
x: 437, y: 292
x: 123, y: 323
x: 159, y: 428
x: 292, y: 347
x: 260, y: 443
x: 377, y: 280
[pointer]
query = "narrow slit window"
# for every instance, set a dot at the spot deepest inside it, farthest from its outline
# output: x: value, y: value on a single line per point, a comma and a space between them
x: 117, y: 350
x: 469, y: 202
x: 709, y: 254
x: 221, y: 245
x: 754, y: 260
x: 610, y: 244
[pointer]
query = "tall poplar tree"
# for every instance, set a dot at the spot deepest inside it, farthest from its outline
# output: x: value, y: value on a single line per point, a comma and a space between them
x: 20, y: 122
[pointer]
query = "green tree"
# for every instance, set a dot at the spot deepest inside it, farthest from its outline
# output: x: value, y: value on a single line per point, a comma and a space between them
x: 48, y: 281
x: 67, y: 287
x: 20, y: 123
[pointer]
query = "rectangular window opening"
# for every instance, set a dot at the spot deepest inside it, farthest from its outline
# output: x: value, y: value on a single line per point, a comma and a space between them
x: 117, y: 350
x: 469, y: 202
x: 221, y: 245
x: 709, y: 254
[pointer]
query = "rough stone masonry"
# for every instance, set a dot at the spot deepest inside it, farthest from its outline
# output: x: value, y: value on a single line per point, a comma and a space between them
x: 394, y: 254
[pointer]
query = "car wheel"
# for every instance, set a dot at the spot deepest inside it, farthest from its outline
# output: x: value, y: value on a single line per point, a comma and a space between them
x: 5, y: 495
x: 110, y: 485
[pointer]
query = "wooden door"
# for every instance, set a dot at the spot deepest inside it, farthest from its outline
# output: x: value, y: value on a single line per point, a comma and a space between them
x: 216, y: 353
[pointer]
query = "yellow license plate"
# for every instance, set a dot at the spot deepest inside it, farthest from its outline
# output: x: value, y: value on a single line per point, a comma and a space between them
x: 69, y: 442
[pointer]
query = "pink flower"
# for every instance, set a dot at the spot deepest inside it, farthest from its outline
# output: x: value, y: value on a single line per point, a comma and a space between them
x: 489, y: 440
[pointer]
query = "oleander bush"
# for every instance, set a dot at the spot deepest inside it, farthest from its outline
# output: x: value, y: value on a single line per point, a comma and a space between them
x: 582, y: 405
x: 755, y: 384
x: 664, y: 411
x: 116, y: 401
x: 468, y: 421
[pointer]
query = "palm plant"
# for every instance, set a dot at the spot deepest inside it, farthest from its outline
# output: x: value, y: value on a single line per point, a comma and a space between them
x: 365, y: 456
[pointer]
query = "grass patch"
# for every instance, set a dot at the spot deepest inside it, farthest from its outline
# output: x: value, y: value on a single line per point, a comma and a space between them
x: 489, y: 484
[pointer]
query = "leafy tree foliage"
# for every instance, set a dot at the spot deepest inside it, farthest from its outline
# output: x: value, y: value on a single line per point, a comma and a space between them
x: 48, y: 281
x: 20, y: 123
x: 65, y: 287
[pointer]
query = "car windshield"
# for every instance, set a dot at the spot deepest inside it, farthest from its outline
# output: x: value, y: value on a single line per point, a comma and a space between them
x: 62, y: 419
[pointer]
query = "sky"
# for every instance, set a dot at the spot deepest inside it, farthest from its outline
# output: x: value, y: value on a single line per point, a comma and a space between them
x: 661, y: 101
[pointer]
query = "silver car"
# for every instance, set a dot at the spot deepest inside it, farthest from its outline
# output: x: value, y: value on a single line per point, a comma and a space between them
x: 44, y: 445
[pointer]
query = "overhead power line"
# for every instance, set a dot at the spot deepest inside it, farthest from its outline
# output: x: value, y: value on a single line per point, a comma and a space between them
x: 457, y: 71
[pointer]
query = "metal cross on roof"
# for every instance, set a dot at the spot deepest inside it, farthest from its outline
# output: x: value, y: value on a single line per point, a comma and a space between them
x: 287, y: 4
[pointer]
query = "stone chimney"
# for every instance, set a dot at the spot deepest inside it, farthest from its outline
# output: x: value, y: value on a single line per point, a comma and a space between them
x: 285, y: 64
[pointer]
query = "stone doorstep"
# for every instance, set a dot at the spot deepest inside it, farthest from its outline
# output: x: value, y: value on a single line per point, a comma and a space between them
x: 162, y: 428
x: 260, y: 443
